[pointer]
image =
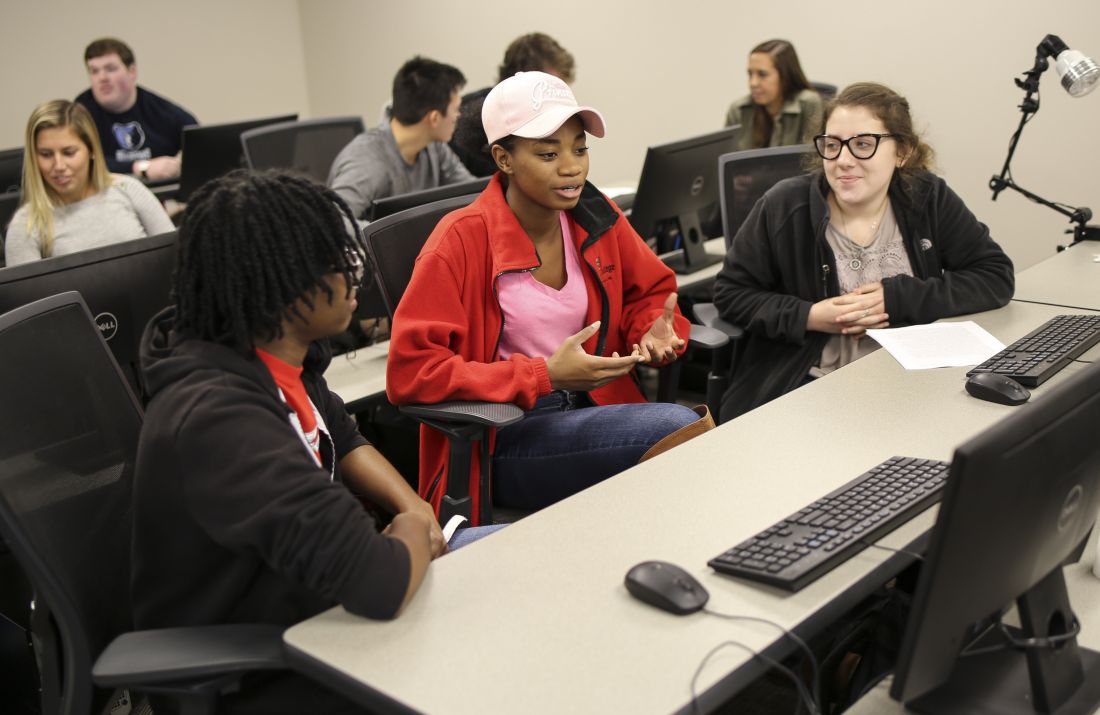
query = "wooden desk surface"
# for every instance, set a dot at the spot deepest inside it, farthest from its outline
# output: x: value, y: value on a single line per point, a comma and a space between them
x: 535, y: 618
x: 1070, y: 278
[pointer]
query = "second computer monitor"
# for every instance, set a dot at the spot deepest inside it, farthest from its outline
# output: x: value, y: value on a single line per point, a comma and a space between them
x: 1020, y: 501
x: 679, y: 183
x: 124, y: 285
x: 212, y: 150
x: 745, y: 176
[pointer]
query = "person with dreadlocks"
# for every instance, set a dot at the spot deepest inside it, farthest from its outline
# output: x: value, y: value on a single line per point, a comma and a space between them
x: 248, y: 467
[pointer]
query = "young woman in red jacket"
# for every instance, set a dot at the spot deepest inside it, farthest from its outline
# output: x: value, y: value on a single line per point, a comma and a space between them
x: 541, y: 294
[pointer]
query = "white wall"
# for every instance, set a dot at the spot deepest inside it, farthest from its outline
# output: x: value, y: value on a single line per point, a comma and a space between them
x: 223, y: 60
x: 661, y: 71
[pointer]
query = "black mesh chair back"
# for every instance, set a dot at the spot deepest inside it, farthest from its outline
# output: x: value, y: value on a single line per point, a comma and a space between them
x: 11, y: 169
x: 395, y: 241
x: 745, y: 176
x: 308, y: 147
x: 69, y: 428
x: 826, y: 90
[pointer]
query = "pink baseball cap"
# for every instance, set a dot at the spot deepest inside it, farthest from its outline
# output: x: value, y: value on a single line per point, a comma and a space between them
x: 533, y: 105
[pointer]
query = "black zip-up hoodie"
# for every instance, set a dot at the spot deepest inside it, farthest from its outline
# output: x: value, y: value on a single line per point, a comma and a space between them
x: 234, y: 522
x: 780, y: 264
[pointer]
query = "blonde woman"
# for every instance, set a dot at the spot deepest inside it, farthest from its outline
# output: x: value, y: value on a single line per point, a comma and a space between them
x: 70, y: 201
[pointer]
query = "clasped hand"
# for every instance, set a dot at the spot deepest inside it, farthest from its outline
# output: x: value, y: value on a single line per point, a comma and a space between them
x: 852, y: 313
x: 571, y: 368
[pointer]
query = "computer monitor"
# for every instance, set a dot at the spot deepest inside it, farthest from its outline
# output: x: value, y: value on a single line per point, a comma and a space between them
x: 11, y: 169
x: 400, y: 202
x: 124, y: 285
x: 745, y: 176
x: 213, y: 150
x: 1019, y: 503
x: 679, y: 183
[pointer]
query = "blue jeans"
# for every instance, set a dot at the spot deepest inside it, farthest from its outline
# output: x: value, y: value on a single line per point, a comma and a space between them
x: 566, y: 444
x: 470, y: 534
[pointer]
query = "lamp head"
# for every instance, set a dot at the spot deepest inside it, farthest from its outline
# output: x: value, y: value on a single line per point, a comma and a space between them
x: 1077, y: 72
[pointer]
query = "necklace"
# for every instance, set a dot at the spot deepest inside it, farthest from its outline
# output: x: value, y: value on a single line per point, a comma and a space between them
x: 856, y: 262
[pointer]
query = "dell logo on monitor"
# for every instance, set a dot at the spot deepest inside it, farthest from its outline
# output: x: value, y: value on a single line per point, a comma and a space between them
x: 1070, y: 507
x: 697, y: 186
x: 107, y: 324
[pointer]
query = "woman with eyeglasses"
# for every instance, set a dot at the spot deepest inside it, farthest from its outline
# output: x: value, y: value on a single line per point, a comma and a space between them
x: 869, y: 238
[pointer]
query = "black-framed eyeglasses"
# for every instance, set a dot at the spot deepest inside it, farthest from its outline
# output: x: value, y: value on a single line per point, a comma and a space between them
x: 861, y: 146
x: 356, y: 266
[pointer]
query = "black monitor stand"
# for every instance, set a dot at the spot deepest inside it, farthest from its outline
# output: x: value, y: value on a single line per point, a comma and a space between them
x: 1053, y: 675
x: 694, y: 256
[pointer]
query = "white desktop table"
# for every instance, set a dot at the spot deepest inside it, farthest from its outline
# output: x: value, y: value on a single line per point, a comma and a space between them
x: 359, y: 376
x: 714, y: 247
x: 1069, y: 278
x: 535, y: 618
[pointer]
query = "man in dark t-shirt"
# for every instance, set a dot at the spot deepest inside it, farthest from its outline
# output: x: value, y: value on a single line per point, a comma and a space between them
x: 141, y: 132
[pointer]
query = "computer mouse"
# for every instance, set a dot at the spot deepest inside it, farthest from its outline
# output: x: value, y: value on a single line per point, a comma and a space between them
x: 666, y: 586
x: 1002, y: 389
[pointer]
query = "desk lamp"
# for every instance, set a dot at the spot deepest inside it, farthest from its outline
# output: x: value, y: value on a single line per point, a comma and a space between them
x: 1079, y: 75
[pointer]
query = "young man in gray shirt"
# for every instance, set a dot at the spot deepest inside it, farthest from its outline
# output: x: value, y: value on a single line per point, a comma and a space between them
x: 408, y: 151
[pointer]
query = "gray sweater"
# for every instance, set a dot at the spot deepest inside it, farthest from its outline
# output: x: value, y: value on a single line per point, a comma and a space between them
x: 125, y: 210
x: 371, y: 167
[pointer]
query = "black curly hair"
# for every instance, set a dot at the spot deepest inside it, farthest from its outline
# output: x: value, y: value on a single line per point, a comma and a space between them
x: 251, y: 245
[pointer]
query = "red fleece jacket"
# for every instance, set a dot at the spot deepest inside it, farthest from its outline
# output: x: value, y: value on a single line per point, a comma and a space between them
x: 446, y: 331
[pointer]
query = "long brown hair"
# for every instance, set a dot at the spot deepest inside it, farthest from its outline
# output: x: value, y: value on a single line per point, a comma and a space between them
x: 792, y: 80
x: 892, y: 110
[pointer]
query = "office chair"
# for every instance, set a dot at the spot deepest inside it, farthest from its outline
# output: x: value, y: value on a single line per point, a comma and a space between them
x: 826, y: 90
x: 9, y: 204
x: 69, y: 429
x: 11, y: 169
x: 743, y: 177
x: 308, y: 146
x: 393, y: 243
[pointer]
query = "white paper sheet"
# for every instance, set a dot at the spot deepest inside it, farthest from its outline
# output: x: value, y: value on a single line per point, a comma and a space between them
x: 920, y: 347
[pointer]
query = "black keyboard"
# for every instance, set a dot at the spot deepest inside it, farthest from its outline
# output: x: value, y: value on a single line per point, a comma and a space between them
x: 1036, y: 357
x: 813, y: 541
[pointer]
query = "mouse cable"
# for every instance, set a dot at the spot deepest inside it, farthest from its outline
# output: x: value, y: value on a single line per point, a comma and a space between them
x: 1084, y: 362
x: 911, y: 554
x: 803, y: 694
x: 814, y: 668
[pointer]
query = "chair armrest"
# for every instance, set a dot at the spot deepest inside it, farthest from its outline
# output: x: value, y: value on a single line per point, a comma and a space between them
x: 703, y: 336
x: 707, y: 314
x: 489, y: 414
x: 465, y: 423
x: 166, y: 655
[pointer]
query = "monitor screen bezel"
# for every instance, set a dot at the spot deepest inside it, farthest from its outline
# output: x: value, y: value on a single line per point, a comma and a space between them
x: 216, y: 135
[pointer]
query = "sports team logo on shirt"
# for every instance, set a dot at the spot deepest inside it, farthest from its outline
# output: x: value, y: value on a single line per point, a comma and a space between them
x: 129, y: 135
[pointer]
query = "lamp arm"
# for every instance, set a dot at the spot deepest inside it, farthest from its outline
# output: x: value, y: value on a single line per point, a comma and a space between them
x: 1081, y: 214
x: 1051, y: 46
